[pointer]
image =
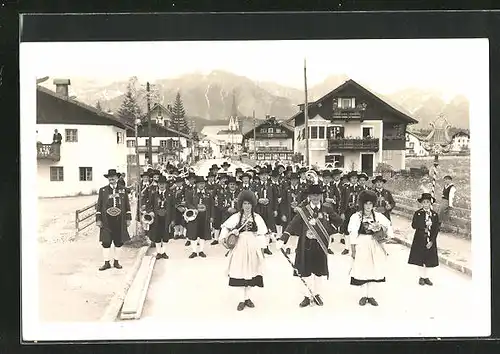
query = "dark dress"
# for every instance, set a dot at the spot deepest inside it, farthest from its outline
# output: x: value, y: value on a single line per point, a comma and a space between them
x: 419, y: 254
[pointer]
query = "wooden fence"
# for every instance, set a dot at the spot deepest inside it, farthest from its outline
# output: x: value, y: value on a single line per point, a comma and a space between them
x: 82, y: 217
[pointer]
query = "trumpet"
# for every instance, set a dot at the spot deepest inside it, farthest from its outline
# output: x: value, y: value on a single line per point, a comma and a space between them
x: 312, y: 176
x: 147, y: 218
x: 190, y: 214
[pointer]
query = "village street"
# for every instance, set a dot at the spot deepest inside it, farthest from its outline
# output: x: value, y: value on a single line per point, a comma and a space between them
x: 183, y: 290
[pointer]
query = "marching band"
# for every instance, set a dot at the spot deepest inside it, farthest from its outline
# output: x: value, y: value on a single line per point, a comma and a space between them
x: 302, y: 210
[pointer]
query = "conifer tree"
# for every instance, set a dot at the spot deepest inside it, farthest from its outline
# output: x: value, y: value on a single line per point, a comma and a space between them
x: 179, y: 121
x: 98, y: 106
x: 130, y: 109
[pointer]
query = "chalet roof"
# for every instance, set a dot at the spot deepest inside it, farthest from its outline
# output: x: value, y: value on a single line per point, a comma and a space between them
x: 461, y: 133
x: 162, y: 107
x: 161, y: 127
x: 102, y: 116
x: 282, y: 123
x: 419, y: 137
x: 396, y: 108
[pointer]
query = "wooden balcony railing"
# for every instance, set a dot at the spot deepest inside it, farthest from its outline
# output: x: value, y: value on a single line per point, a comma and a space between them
x: 48, y: 151
x: 360, y: 144
x: 272, y: 148
x: 347, y: 113
x: 158, y: 149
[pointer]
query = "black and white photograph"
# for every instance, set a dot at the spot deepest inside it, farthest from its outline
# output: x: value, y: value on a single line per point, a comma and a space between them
x: 255, y: 189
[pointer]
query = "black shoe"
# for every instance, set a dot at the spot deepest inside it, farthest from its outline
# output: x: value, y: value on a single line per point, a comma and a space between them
x: 193, y: 255
x: 330, y: 251
x: 267, y: 251
x: 105, y: 266
x: 202, y: 255
x: 117, y: 265
x: 421, y: 281
x: 249, y: 303
x: 372, y: 301
x: 188, y: 243
x: 427, y: 281
x: 363, y: 301
x: 305, y: 302
x: 164, y: 256
x: 214, y: 242
x: 288, y: 251
x: 159, y: 256
x: 342, y: 241
x: 241, y: 306
x: 318, y: 300
x: 344, y: 252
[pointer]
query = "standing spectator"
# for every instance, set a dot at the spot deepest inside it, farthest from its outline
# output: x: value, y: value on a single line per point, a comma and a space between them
x: 56, y: 138
x: 448, y: 199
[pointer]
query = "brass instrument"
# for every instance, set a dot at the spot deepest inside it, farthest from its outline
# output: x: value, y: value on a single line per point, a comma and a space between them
x: 190, y: 214
x: 381, y: 203
x: 312, y: 176
x: 147, y: 219
x: 294, y: 200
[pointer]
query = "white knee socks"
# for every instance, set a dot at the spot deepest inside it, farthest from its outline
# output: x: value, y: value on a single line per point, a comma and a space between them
x: 117, y: 254
x: 216, y: 234
x: 202, y: 244
x: 423, y: 272
x: 106, y: 254
x: 310, y: 283
x: 318, y: 284
x: 367, y: 289
x: 194, y: 245
x: 158, y: 246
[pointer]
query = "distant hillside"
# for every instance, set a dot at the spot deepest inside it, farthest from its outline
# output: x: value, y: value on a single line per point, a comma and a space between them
x: 209, y: 98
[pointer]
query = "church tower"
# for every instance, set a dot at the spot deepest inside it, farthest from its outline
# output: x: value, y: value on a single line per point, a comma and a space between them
x: 234, y: 124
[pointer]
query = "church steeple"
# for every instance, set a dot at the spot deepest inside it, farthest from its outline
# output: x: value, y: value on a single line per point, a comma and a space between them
x: 233, y: 119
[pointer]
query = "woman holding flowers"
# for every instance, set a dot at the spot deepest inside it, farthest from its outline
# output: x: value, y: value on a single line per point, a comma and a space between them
x: 246, y: 258
x: 367, y: 229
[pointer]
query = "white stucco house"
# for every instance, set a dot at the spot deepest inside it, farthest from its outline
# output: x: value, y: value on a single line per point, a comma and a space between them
x: 460, y: 142
x: 92, y: 143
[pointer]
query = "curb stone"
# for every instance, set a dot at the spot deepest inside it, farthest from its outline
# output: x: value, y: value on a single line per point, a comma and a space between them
x: 114, y: 306
x: 455, y: 266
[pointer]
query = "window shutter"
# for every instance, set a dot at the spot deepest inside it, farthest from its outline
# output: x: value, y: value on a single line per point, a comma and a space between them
x: 353, y: 102
x: 341, y: 132
x: 341, y: 160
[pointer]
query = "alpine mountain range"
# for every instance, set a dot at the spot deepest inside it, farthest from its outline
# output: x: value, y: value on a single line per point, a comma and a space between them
x: 212, y: 98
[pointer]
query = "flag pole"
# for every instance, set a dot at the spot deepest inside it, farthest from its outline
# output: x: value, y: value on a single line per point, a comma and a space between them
x: 254, y: 139
x: 306, y: 116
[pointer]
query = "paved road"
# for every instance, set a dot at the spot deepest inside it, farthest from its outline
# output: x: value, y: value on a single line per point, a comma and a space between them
x: 194, y: 292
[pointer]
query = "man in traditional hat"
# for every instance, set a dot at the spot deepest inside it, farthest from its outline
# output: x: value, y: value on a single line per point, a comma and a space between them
x: 314, y: 224
x: 448, y: 199
x: 179, y: 202
x: 267, y: 203
x: 229, y: 199
x: 113, y: 216
x: 238, y: 174
x: 362, y: 179
x: 331, y: 197
x: 385, y: 201
x: 279, y: 189
x: 349, y: 205
x: 198, y: 226
x: 245, y: 181
x: 292, y: 197
x: 225, y: 167
x: 161, y: 205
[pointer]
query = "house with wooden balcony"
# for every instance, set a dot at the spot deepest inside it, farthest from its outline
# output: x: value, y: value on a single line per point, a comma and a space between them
x: 167, y: 144
x: 269, y: 141
x: 353, y: 128
x: 92, y: 142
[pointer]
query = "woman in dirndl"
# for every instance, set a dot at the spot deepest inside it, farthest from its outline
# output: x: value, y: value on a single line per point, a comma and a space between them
x: 368, y: 252
x: 246, y: 258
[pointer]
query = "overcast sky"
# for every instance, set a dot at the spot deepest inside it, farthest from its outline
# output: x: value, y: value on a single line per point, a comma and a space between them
x: 385, y: 65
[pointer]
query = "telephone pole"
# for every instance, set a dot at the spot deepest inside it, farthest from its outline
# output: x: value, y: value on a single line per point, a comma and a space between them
x: 150, y: 138
x: 306, y: 116
x: 254, y: 138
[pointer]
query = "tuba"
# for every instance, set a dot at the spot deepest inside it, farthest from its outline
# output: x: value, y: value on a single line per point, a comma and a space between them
x: 190, y: 214
x: 147, y: 219
x: 312, y: 176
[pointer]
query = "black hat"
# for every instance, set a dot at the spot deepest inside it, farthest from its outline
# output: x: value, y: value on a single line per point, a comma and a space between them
x: 231, y: 179
x: 275, y: 173
x: 379, y: 178
x: 150, y: 170
x: 314, y: 189
x: 211, y: 174
x: 162, y: 179
x: 294, y: 175
x: 426, y: 196
x: 144, y: 174
x: 215, y: 167
x: 226, y: 164
x: 199, y: 179
x: 352, y: 174
x: 257, y: 167
x: 366, y: 196
x: 280, y: 165
x: 336, y: 172
x: 112, y: 173
x: 156, y: 172
x: 448, y: 177
x: 288, y: 168
x: 191, y: 175
x: 302, y: 170
x: 246, y: 196
x: 326, y: 173
x: 223, y: 175
x: 246, y: 174
x: 239, y: 169
x: 264, y: 170
x: 179, y: 179
x: 363, y: 175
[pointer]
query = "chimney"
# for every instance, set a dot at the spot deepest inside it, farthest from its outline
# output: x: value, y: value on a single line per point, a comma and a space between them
x: 62, y: 86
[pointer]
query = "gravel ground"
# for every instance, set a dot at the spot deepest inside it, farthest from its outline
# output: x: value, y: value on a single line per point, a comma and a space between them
x: 71, y: 288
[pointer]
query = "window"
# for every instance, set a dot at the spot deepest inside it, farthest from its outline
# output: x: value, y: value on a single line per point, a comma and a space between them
x: 278, y: 130
x: 56, y: 174
x: 412, y: 145
x: 71, y: 135
x: 314, y: 132
x: 367, y: 132
x: 260, y: 156
x: 131, y: 159
x: 130, y: 143
x: 163, y: 143
x: 267, y: 156
x: 336, y: 160
x: 263, y: 130
x: 387, y: 154
x: 335, y: 132
x: 270, y: 130
x: 162, y: 159
x: 175, y: 144
x: 119, y: 137
x: 85, y: 173
x: 345, y: 103
x: 321, y: 132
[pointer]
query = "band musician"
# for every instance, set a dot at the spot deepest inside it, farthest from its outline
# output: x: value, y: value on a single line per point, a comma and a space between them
x: 113, y: 216
x: 267, y: 203
x: 199, y: 204
x: 292, y: 197
x: 385, y: 202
